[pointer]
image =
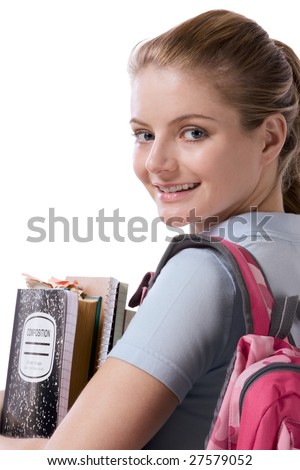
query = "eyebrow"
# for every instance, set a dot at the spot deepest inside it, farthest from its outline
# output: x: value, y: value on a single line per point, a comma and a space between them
x: 177, y: 120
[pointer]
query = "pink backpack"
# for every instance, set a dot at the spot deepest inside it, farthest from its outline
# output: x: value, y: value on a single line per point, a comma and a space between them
x: 259, y: 407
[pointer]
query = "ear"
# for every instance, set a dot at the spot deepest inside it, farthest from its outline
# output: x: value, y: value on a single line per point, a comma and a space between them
x: 274, y: 131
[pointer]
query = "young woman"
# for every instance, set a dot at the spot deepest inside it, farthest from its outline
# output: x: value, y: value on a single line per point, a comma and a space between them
x: 215, y: 114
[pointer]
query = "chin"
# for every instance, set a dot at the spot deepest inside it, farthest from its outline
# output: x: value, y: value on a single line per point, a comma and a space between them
x: 174, y: 219
x: 175, y: 223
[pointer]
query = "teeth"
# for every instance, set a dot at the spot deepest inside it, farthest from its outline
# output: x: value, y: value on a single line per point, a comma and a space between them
x: 178, y: 187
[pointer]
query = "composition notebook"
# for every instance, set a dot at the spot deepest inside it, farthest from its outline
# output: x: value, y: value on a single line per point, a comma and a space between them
x: 38, y: 377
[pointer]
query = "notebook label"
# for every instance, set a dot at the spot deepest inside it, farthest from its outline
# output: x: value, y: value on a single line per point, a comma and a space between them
x: 37, y: 347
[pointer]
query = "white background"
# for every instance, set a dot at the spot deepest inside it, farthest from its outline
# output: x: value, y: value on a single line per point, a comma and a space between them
x: 65, y: 141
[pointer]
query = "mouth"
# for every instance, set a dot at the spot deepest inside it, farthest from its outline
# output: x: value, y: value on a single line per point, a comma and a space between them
x: 176, y: 188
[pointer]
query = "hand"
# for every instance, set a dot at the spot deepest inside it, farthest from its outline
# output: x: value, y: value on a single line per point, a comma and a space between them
x: 11, y: 443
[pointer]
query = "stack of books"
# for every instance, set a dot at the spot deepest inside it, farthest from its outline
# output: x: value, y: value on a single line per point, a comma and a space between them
x: 60, y: 338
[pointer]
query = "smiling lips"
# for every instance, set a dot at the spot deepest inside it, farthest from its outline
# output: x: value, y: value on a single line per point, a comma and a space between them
x: 175, y: 192
x: 177, y: 187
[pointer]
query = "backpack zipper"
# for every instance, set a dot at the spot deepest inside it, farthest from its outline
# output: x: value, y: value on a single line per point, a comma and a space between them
x: 273, y: 367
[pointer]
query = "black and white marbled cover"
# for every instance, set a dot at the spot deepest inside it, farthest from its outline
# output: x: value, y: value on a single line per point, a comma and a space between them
x: 33, y: 387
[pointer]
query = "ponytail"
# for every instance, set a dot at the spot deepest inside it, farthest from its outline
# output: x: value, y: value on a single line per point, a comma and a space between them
x: 290, y: 156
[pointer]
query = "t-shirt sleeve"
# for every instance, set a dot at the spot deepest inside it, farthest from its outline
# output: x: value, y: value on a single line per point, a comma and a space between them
x: 182, y: 329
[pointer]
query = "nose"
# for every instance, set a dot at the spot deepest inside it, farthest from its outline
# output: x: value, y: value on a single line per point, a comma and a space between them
x: 161, y: 157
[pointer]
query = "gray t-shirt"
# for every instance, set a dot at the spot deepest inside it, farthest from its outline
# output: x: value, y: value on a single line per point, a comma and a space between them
x: 185, y: 332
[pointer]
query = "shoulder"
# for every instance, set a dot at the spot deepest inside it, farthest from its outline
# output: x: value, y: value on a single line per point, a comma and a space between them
x: 195, y: 292
x: 198, y: 268
x: 186, y: 324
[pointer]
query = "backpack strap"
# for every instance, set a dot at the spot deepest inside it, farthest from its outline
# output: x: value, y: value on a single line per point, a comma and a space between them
x: 141, y: 292
x: 283, y: 316
x: 258, y: 301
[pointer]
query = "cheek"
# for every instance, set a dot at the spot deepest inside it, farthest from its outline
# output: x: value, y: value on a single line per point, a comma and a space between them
x: 139, y: 167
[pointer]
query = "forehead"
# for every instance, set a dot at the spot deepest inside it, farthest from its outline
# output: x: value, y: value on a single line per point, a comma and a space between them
x: 170, y: 81
x: 167, y: 92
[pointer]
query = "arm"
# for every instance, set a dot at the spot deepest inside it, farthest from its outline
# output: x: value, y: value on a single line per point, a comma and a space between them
x: 122, y: 407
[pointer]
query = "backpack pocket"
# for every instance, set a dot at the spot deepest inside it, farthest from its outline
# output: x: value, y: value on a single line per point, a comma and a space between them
x: 269, y: 407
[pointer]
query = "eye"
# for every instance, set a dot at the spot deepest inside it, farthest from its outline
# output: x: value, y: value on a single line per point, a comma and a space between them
x: 143, y: 136
x: 194, y: 134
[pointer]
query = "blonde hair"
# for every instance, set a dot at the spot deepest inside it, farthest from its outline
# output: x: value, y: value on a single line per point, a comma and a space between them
x: 253, y: 73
